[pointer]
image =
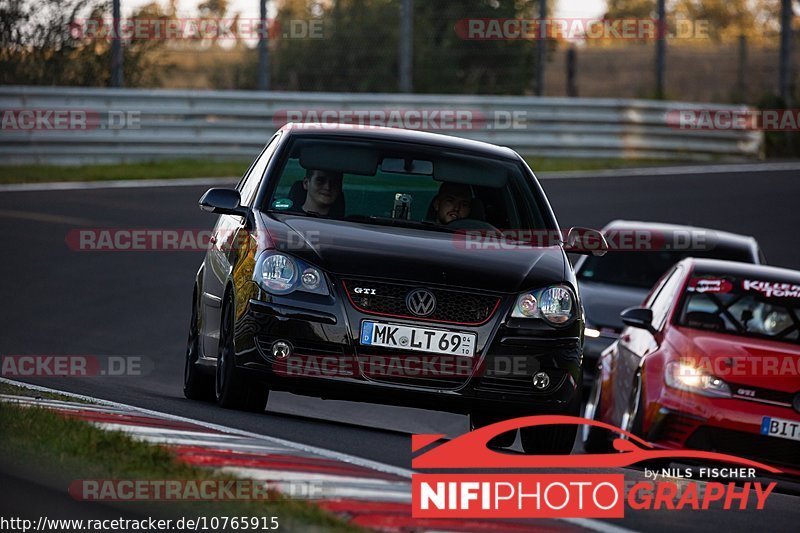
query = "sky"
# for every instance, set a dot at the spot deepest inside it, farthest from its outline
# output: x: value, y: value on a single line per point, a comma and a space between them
x: 249, y: 8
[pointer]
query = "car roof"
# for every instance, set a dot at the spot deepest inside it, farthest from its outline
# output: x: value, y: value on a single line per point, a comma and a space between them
x: 724, y: 238
x: 735, y: 268
x: 400, y: 135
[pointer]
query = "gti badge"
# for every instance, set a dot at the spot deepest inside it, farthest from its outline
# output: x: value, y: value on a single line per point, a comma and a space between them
x: 421, y: 302
x: 362, y: 290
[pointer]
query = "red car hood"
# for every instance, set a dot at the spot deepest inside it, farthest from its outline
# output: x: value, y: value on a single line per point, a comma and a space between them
x: 742, y: 360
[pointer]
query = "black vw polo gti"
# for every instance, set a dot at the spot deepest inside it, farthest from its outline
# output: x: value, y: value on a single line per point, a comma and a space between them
x: 389, y: 266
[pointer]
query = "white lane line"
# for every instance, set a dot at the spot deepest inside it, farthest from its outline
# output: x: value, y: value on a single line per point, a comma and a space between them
x: 115, y: 184
x: 586, y: 523
x: 671, y: 171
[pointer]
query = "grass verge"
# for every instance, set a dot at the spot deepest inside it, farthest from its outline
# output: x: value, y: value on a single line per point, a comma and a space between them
x: 7, y: 388
x: 77, y: 450
x: 206, y: 168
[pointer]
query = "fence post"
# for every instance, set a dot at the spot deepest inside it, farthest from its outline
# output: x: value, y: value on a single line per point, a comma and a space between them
x: 786, y: 52
x: 117, y: 79
x: 541, y: 48
x: 661, y: 44
x: 572, y: 88
x: 741, y: 82
x: 263, y: 51
x: 406, y: 51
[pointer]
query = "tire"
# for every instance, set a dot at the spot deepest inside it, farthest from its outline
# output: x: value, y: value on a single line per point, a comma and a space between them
x: 595, y: 439
x: 554, y: 439
x: 478, y: 420
x: 635, y: 424
x: 232, y: 389
x: 196, y: 384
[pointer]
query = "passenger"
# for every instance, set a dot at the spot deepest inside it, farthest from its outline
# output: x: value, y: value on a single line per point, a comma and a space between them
x: 453, y: 202
x: 323, y: 189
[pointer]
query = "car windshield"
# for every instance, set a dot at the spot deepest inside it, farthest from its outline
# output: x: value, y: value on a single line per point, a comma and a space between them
x: 406, y: 185
x: 643, y: 269
x: 748, y: 307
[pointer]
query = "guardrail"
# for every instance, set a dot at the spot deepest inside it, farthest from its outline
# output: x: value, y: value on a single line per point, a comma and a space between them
x: 136, y: 124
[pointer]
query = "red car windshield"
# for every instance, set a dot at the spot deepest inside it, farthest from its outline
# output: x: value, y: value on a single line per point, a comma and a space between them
x: 747, y: 307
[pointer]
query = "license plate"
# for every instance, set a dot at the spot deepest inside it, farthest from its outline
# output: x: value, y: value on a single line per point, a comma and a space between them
x: 417, y: 339
x: 780, y: 427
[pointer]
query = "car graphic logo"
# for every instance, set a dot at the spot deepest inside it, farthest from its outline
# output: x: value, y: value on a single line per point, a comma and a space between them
x: 421, y: 302
x: 471, y: 451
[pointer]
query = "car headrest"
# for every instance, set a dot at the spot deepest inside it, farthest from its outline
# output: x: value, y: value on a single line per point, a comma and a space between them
x: 297, y: 194
x: 703, y: 320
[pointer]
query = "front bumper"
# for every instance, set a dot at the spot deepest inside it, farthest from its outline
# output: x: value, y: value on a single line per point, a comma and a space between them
x: 328, y: 362
x: 682, y: 420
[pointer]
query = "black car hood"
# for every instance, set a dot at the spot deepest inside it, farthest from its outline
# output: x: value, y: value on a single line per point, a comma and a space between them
x: 603, y: 302
x: 356, y: 249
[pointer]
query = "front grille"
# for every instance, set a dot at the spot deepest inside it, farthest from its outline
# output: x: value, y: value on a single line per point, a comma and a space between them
x: 748, y: 445
x: 452, y: 307
x: 746, y: 392
x: 414, y: 369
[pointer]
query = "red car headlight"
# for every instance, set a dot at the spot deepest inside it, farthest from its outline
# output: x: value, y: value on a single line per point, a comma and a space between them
x: 685, y: 376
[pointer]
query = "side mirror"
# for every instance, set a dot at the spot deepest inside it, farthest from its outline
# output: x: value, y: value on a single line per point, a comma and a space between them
x: 638, y: 317
x: 585, y: 241
x: 224, y: 202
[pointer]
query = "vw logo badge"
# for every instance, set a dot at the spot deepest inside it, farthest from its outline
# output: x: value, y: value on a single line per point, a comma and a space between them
x: 421, y: 302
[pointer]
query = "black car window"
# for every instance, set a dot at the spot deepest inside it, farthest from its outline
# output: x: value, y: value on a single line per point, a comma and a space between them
x: 249, y: 184
x: 398, y: 183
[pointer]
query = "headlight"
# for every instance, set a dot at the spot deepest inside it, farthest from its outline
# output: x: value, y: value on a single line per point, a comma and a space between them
x: 278, y: 273
x: 591, y: 333
x: 556, y: 305
x: 685, y: 376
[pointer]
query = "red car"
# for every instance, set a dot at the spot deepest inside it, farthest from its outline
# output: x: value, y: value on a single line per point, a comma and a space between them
x: 710, y: 362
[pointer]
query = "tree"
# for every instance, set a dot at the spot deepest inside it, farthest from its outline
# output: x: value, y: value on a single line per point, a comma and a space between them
x: 44, y: 43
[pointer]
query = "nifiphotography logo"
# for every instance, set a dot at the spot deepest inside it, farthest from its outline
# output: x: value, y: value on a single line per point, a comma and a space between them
x: 516, y: 489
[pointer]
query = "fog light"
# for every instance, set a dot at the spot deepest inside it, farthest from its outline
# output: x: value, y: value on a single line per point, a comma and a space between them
x: 281, y: 349
x: 541, y: 380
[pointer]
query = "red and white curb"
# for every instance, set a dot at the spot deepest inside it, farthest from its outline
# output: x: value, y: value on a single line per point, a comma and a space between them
x: 365, y: 493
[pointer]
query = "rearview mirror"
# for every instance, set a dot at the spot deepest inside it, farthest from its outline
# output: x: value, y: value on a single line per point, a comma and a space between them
x: 585, y: 241
x: 638, y: 317
x: 224, y: 202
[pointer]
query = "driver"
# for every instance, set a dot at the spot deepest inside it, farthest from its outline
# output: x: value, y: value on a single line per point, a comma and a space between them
x: 323, y: 188
x: 453, y: 202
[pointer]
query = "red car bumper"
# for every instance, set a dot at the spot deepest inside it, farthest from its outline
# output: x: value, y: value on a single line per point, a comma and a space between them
x: 681, y: 420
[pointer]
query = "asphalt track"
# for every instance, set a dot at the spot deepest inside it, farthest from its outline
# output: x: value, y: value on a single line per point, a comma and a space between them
x: 60, y: 301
